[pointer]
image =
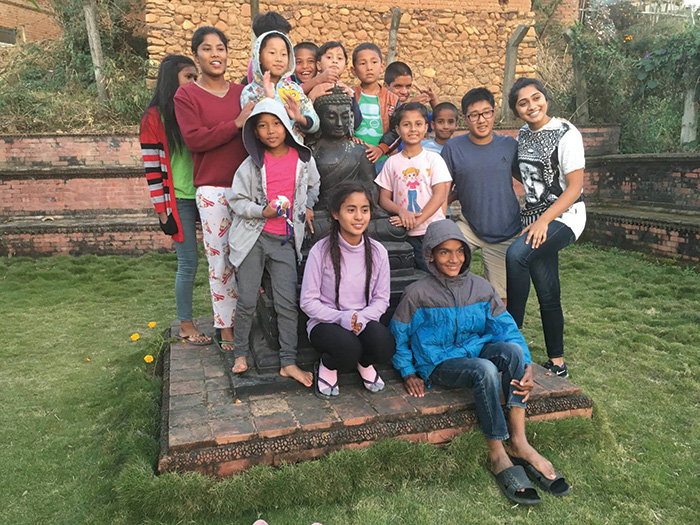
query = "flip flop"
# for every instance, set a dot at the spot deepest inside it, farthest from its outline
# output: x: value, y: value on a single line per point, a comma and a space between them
x: 369, y: 383
x: 557, y: 486
x: 513, y: 479
x: 219, y: 342
x: 317, y: 390
x: 188, y: 339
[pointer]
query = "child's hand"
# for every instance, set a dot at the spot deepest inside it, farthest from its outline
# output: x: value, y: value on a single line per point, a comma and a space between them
x: 348, y: 90
x: 414, y: 385
x: 320, y: 90
x: 421, y: 98
x: 359, y: 141
x: 374, y: 153
x: 408, y: 218
x: 268, y: 85
x: 244, y: 114
x: 524, y: 386
x: 356, y: 327
x: 310, y: 219
x: 293, y: 110
x: 329, y: 75
x: 270, y: 210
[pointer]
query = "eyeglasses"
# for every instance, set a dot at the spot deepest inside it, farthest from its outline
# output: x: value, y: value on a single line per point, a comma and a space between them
x: 488, y: 115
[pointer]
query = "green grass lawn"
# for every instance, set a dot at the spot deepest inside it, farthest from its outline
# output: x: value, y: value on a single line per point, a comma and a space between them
x: 79, y: 410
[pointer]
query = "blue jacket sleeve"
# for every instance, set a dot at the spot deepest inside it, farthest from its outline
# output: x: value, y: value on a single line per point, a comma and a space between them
x: 403, y: 358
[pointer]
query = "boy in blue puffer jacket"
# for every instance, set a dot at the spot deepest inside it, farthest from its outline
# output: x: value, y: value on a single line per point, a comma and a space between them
x: 452, y: 329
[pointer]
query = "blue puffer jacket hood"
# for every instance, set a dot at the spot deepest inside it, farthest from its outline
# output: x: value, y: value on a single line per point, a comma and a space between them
x: 253, y: 145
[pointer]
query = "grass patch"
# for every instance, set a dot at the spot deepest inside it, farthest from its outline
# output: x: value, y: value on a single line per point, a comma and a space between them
x: 79, y: 439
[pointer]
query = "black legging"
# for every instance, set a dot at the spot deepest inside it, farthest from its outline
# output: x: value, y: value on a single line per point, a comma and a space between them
x: 341, y: 349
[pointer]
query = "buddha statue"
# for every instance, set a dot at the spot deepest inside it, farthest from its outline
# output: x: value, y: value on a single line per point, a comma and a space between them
x: 337, y: 157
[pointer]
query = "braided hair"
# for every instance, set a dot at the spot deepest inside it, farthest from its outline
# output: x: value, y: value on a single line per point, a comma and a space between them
x: 342, y: 191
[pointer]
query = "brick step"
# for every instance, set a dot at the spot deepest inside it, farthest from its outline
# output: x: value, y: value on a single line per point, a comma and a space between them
x: 71, y: 191
x: 205, y: 428
x: 104, y: 234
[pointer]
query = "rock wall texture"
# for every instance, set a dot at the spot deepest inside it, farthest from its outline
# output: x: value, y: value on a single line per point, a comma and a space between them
x: 449, y: 50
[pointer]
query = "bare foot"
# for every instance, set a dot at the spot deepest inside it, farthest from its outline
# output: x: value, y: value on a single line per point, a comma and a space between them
x: 293, y: 371
x: 227, y: 335
x: 528, y: 453
x: 498, y: 462
x: 240, y: 365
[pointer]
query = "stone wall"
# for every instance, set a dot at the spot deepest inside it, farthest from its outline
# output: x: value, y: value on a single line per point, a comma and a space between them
x: 450, y: 50
x: 31, y: 23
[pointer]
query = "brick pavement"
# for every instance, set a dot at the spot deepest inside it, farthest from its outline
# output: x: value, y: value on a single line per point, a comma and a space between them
x: 207, y: 429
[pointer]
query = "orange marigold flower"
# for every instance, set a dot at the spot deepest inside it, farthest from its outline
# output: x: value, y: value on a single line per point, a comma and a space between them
x: 151, y: 324
x: 148, y: 358
x: 135, y: 337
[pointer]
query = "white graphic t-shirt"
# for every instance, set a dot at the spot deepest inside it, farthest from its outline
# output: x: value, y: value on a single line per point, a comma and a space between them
x: 545, y: 156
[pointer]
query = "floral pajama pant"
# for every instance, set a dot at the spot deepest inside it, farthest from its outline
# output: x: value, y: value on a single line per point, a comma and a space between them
x: 216, y: 215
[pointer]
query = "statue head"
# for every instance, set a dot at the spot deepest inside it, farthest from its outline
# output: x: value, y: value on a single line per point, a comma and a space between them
x: 335, y: 113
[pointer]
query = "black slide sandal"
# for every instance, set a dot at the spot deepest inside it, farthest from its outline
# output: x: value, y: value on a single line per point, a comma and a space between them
x: 557, y: 486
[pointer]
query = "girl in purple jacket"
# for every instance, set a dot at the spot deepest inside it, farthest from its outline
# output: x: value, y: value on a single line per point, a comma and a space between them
x: 345, y: 291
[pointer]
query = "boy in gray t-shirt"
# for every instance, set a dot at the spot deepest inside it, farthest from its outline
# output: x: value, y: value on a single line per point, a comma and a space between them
x: 482, y: 166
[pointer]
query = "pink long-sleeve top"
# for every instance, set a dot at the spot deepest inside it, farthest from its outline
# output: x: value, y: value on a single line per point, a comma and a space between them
x: 318, y: 286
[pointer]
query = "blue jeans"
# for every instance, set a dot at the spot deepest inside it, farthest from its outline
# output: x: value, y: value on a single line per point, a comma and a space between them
x: 481, y: 375
x: 542, y: 265
x: 187, y: 258
x: 417, y: 243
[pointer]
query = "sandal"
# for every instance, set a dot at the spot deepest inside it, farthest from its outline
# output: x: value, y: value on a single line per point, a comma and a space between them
x: 557, y: 486
x: 374, y: 383
x: 317, y: 390
x: 514, y: 479
x: 220, y: 342
x: 190, y: 339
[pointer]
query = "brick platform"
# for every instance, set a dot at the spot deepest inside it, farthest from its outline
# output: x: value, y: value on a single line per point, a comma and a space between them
x: 206, y: 429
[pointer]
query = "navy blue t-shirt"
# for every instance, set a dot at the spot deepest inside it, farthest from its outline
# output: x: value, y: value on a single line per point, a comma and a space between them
x: 483, y: 180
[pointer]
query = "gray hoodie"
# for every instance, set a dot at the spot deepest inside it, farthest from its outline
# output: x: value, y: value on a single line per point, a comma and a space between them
x: 248, y: 194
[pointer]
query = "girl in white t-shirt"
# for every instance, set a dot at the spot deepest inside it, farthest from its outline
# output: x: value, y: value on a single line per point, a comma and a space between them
x: 415, y: 182
x: 551, y: 160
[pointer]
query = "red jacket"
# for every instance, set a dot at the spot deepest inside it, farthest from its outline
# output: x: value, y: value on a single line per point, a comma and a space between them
x: 156, y: 160
x: 388, y: 102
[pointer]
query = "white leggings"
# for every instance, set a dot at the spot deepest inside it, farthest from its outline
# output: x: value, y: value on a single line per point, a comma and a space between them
x: 215, y: 215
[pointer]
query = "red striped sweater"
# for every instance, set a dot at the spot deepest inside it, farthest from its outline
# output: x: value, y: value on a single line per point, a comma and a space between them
x: 156, y: 161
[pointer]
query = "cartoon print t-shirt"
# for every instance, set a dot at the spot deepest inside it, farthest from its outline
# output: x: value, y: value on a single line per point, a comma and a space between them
x: 411, y: 183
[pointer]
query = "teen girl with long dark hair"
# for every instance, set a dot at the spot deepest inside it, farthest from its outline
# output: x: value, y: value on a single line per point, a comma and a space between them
x: 211, y: 120
x: 345, y: 291
x: 168, y: 166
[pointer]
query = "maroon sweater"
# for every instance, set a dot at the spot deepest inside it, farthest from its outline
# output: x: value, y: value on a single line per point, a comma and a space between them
x: 206, y: 123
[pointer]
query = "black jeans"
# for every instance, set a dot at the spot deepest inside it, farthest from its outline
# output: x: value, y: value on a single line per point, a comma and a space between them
x: 341, y: 349
x: 542, y: 264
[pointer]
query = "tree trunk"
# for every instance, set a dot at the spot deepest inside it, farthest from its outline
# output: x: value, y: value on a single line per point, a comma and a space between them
x: 393, y: 34
x: 689, y: 126
x: 98, y: 63
x: 254, y: 11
